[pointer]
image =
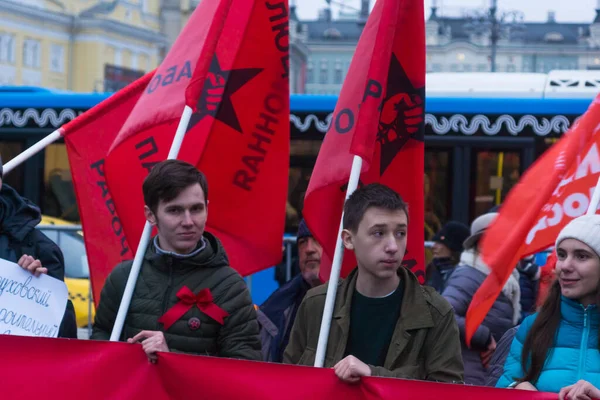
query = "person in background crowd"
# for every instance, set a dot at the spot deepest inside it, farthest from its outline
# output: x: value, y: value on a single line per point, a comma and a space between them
x: 448, y: 244
x: 504, y: 314
x: 496, y: 366
x: 22, y: 243
x: 384, y: 322
x: 529, y: 281
x: 277, y: 314
x: 182, y: 262
x: 557, y: 347
x: 281, y: 268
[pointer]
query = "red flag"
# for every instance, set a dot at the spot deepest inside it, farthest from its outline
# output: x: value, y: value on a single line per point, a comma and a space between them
x: 88, y: 138
x: 230, y: 64
x: 379, y: 117
x: 556, y: 189
x: 74, y: 368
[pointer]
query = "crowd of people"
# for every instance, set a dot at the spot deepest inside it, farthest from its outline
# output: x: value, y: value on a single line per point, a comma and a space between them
x: 385, y: 323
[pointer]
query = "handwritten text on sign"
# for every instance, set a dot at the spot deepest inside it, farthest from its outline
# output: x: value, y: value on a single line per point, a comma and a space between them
x: 30, y: 306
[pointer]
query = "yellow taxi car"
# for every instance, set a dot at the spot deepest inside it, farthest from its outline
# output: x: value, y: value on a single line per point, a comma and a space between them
x: 77, y: 275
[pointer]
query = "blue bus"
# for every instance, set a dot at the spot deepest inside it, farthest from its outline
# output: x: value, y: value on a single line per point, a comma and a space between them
x: 482, y: 132
x: 478, y: 142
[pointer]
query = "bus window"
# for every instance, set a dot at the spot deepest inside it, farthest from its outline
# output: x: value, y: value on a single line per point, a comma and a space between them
x: 59, y: 197
x: 437, y: 186
x: 297, y: 185
x: 9, y: 150
x: 495, y: 173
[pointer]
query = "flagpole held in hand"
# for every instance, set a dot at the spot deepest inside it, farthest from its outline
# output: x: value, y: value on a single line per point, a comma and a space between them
x: 33, y: 150
x: 593, y: 207
x: 336, y: 267
x: 141, y: 250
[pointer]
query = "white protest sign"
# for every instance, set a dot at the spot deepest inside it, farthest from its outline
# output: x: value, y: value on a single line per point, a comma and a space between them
x: 29, y: 305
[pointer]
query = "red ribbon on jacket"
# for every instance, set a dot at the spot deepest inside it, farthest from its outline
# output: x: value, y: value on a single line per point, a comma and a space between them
x: 187, y: 299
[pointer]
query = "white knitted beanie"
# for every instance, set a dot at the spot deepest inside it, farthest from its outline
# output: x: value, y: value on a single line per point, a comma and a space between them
x: 586, y: 229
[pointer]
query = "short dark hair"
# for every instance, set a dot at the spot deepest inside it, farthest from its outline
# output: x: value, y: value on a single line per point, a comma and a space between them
x: 168, y: 179
x: 372, y: 195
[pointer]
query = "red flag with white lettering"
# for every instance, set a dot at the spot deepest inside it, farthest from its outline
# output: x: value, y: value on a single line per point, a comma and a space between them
x: 556, y: 189
x: 230, y: 64
x: 379, y: 117
x: 88, y: 138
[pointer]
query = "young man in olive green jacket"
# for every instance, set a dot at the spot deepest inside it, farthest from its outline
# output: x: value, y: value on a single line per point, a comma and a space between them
x: 384, y: 322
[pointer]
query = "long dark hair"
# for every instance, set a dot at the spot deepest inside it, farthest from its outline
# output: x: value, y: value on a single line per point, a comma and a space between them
x: 541, y: 336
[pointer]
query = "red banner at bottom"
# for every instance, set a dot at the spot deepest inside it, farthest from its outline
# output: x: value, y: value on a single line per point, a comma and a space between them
x: 81, y: 369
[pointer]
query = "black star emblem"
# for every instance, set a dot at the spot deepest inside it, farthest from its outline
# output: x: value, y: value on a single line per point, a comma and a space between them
x: 402, y: 114
x: 215, y: 99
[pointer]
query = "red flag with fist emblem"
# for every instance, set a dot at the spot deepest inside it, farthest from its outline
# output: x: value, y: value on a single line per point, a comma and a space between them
x: 379, y: 117
x: 230, y: 65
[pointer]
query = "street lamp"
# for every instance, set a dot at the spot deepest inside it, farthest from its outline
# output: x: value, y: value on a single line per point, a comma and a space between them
x: 488, y: 21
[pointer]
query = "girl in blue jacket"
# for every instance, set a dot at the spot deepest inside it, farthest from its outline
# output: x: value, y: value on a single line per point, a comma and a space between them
x: 558, y: 346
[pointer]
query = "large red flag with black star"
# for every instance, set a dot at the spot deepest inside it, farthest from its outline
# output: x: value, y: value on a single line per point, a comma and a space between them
x: 230, y: 65
x: 379, y: 117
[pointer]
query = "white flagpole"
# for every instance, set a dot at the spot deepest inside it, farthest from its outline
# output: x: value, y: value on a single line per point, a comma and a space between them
x: 594, y: 200
x: 336, y: 267
x: 141, y: 250
x: 33, y: 150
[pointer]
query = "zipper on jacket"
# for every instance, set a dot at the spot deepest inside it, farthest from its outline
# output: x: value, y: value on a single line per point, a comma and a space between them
x: 584, y: 344
x: 169, y: 285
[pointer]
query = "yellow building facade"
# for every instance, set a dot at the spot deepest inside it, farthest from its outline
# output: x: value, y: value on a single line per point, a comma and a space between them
x: 79, y: 45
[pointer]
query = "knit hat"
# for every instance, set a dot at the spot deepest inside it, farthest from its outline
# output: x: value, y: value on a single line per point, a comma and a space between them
x: 586, y: 229
x: 303, y: 230
x: 452, y: 235
x: 478, y: 227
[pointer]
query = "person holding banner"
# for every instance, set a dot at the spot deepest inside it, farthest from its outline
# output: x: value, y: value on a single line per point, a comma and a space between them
x: 558, y: 347
x: 277, y: 314
x: 187, y: 298
x: 22, y: 243
x: 384, y: 322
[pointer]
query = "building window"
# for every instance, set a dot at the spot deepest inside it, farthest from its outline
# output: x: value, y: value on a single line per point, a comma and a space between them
x: 323, y: 78
x: 31, y: 53
x: 134, y: 60
x: 540, y: 67
x: 337, y: 76
x: 7, y: 48
x: 310, y: 73
x: 118, y: 57
x: 57, y: 58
